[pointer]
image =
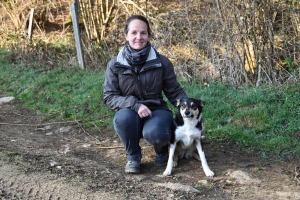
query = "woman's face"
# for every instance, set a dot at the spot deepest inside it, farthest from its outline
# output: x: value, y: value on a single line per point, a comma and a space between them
x: 137, y: 35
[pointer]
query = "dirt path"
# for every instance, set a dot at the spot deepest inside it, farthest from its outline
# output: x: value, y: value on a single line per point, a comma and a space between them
x: 15, y: 184
x: 40, y: 160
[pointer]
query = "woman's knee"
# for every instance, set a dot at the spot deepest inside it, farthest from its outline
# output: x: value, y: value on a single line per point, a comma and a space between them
x: 127, y: 124
x: 158, y: 137
x: 125, y: 117
x: 157, y: 131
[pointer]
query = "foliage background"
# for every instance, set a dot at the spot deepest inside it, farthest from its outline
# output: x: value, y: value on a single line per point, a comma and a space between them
x: 238, y: 42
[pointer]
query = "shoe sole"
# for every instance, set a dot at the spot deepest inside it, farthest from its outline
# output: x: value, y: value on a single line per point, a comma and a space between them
x: 132, y: 171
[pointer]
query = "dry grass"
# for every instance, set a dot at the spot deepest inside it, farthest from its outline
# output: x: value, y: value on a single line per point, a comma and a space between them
x: 238, y: 43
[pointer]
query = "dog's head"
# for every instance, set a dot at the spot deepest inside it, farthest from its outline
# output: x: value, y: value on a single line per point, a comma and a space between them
x: 189, y: 107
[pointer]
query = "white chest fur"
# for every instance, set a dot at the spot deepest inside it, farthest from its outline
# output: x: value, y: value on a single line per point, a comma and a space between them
x: 188, y: 133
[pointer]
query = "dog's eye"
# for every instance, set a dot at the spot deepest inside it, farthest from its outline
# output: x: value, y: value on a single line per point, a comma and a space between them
x: 183, y: 106
x: 194, y: 106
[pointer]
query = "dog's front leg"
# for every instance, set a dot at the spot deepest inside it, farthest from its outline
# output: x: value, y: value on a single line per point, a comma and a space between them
x: 168, y: 170
x: 206, y: 169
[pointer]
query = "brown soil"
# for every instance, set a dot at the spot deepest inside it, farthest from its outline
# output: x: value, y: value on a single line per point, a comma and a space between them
x: 44, y: 160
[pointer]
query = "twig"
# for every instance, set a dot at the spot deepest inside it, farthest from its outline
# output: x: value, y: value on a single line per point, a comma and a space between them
x: 125, y: 7
x: 109, y: 147
x: 97, y: 127
x: 131, y: 2
x: 11, y: 124
x: 297, y: 175
x: 97, y: 139
x: 86, y: 132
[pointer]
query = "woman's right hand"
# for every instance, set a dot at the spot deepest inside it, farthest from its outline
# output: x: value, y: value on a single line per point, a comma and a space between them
x: 144, y: 111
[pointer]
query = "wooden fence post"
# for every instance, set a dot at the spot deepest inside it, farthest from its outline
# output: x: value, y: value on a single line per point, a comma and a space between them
x: 30, y: 23
x: 74, y: 14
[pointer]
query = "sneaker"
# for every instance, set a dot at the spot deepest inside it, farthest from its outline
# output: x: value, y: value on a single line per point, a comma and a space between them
x: 161, y: 160
x: 133, y: 167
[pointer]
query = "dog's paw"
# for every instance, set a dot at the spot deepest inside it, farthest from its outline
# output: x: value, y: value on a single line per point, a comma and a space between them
x: 175, y: 164
x: 167, y: 173
x: 209, y: 173
x: 196, y: 155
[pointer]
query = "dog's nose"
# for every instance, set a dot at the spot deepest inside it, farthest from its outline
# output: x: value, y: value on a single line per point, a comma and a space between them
x: 188, y: 113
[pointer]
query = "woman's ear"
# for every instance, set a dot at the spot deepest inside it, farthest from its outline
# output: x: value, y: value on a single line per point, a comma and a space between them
x: 125, y: 36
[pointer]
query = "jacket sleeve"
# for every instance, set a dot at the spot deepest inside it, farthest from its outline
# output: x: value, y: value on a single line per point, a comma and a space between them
x: 111, y: 92
x: 172, y: 89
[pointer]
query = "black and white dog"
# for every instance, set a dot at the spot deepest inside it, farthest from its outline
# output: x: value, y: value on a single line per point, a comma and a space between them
x: 186, y: 135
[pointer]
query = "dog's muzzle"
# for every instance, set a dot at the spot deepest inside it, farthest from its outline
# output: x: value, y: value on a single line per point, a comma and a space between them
x: 188, y: 114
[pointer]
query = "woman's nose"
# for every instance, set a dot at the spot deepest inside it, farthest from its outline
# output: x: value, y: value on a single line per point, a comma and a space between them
x: 139, y: 36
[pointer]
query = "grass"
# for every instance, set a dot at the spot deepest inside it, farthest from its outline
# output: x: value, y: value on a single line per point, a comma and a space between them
x: 61, y: 93
x: 265, y: 119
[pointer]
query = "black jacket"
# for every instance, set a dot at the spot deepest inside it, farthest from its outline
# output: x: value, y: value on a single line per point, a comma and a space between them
x: 125, y: 88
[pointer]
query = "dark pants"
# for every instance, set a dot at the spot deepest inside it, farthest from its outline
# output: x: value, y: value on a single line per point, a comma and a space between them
x: 155, y: 130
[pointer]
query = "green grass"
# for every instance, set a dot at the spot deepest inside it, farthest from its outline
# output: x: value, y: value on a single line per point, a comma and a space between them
x: 265, y: 119
x: 61, y: 93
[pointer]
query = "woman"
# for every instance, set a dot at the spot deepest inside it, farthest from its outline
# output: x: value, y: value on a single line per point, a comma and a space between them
x: 135, y: 80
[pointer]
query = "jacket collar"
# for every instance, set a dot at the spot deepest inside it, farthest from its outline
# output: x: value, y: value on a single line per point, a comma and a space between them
x: 152, y: 58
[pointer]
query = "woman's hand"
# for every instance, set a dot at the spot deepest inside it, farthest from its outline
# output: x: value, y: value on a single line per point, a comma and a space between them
x: 144, y: 111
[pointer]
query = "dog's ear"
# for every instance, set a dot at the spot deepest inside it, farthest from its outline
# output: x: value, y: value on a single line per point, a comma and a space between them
x: 178, y: 103
x: 201, y: 103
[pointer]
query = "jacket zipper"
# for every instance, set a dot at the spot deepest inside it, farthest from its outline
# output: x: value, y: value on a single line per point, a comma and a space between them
x: 139, y: 84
